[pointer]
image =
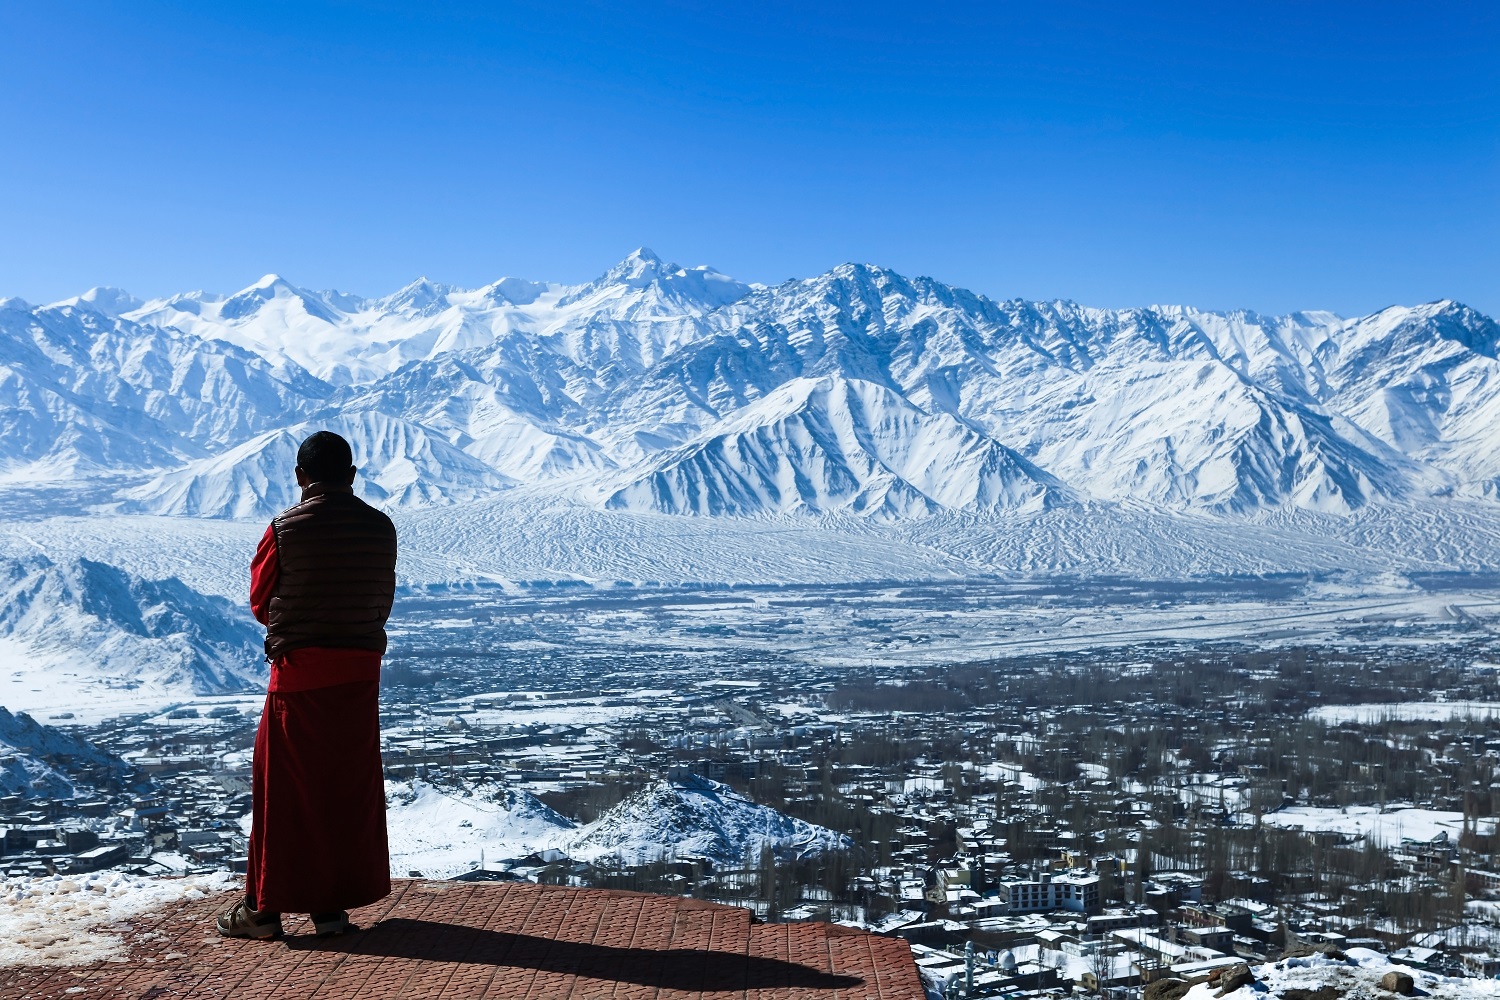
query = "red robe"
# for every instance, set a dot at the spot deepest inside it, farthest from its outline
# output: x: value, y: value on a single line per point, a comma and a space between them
x: 317, y: 835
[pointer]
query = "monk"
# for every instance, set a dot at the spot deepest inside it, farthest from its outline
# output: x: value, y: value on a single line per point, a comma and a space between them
x: 322, y: 583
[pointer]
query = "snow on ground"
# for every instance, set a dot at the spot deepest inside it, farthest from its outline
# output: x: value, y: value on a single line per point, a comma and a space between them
x: 55, y: 682
x: 579, y: 712
x: 441, y: 833
x: 1386, y: 826
x: 1475, y: 933
x: 527, y: 536
x: 60, y: 688
x: 248, y: 704
x: 491, y: 549
x: 1357, y: 978
x: 1001, y: 771
x: 1214, y: 790
x: 522, y: 537
x: 1406, y: 711
x: 212, y: 557
x: 80, y: 919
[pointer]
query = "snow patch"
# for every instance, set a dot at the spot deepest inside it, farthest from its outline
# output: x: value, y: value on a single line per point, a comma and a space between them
x: 64, y: 920
x: 1356, y: 977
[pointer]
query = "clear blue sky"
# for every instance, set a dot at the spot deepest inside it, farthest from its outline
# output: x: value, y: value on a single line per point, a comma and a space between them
x: 1273, y: 156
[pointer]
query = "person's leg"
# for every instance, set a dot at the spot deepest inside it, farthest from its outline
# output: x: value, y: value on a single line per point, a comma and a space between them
x: 255, y: 859
x: 244, y: 919
x: 330, y: 792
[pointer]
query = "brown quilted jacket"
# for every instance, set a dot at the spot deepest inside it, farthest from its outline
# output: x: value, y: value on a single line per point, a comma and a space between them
x: 337, y: 559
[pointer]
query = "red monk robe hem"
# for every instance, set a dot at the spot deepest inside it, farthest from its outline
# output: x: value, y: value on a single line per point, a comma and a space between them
x: 317, y: 836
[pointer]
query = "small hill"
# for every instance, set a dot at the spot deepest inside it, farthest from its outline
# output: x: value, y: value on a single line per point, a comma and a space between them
x: 45, y: 761
x: 698, y: 818
x: 441, y: 832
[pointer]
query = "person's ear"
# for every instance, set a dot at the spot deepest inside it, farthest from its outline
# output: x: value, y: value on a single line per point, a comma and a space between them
x: 302, y: 479
x: 352, y: 471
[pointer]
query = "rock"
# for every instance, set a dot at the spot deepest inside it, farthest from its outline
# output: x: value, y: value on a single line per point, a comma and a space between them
x: 1166, y: 989
x: 1321, y: 993
x: 1307, y: 950
x: 1234, y: 977
x: 1397, y: 982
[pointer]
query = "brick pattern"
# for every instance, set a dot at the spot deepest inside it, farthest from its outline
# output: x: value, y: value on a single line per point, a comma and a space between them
x: 467, y: 941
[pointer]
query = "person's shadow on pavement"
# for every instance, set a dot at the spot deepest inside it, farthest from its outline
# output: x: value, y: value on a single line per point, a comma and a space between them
x: 675, y: 969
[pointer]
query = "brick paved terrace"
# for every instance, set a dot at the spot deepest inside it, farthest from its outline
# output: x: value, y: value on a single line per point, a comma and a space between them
x: 494, y: 940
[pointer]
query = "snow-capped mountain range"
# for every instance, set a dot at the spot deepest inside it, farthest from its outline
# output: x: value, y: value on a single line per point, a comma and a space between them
x: 682, y: 391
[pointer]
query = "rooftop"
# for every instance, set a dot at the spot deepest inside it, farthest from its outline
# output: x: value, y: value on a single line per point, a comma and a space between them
x: 495, y: 940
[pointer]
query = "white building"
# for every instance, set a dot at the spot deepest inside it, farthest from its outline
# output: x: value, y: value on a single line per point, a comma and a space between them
x: 1047, y: 892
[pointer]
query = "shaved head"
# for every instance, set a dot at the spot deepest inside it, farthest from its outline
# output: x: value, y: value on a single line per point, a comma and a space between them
x: 326, y: 458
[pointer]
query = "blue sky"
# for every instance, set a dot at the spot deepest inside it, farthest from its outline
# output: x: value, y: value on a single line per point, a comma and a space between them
x: 1260, y: 155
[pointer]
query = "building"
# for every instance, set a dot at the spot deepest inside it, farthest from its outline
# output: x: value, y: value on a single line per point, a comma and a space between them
x: 1045, y: 892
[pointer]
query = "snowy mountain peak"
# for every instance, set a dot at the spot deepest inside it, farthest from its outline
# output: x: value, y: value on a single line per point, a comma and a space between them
x: 111, y: 302
x: 643, y: 278
x: 642, y: 263
x: 421, y: 295
x: 272, y: 288
x: 514, y: 291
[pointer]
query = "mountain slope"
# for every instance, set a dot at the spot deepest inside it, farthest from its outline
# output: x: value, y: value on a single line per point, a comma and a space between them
x: 402, y: 465
x: 442, y: 832
x: 83, y: 392
x: 834, y: 444
x: 38, y: 760
x: 1426, y: 382
x: 1166, y: 405
x: 158, y: 634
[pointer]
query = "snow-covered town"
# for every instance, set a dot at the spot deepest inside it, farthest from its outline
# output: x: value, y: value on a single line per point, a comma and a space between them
x: 1036, y: 824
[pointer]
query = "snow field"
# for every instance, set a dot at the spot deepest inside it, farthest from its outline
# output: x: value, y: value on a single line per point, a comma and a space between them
x: 1385, y: 826
x: 1408, y: 711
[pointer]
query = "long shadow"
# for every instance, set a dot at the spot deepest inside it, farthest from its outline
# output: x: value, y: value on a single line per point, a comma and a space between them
x: 674, y: 969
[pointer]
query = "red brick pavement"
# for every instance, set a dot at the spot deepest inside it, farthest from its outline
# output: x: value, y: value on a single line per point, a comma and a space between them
x: 468, y: 941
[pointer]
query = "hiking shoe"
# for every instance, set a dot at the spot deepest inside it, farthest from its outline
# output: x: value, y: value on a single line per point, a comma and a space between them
x: 329, y: 924
x: 243, y: 922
